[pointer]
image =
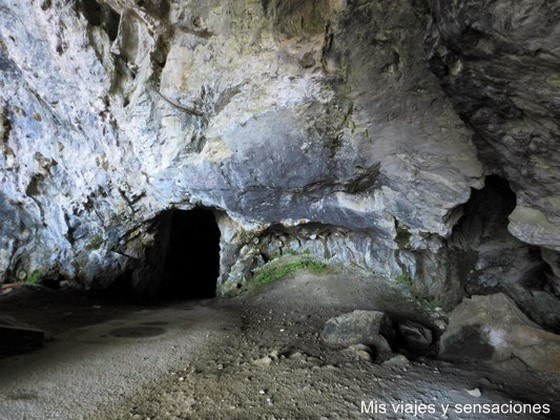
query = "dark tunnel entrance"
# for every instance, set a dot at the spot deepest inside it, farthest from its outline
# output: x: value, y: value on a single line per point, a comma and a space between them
x: 192, y: 261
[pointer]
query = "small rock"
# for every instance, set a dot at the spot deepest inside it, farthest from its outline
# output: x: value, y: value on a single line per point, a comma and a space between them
x: 263, y: 361
x: 474, y: 392
x: 397, y: 361
x: 360, y: 350
x: 307, y: 61
x: 296, y: 355
x: 440, y: 324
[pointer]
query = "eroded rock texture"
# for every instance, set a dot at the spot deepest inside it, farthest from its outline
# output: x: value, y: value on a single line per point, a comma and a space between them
x: 307, y: 125
x: 498, y: 61
x: 493, y: 328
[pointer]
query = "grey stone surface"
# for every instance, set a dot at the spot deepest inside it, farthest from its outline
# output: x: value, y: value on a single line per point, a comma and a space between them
x: 326, y: 128
x: 498, y: 61
x: 360, y: 327
x: 493, y: 328
x: 113, y: 112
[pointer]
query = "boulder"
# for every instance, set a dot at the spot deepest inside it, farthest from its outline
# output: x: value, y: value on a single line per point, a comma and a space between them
x: 360, y: 327
x: 493, y: 328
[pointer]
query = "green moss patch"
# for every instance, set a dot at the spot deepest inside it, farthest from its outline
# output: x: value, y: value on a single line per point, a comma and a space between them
x: 278, y: 269
x: 405, y: 280
x: 35, y: 277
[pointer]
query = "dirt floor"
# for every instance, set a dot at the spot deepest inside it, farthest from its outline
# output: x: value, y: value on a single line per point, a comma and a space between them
x: 258, y: 356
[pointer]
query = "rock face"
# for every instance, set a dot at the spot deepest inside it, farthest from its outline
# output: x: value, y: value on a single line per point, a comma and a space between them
x: 498, y: 61
x: 311, y: 125
x: 493, y: 328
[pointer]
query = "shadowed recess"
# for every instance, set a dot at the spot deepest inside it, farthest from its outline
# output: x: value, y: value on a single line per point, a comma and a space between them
x: 192, y: 263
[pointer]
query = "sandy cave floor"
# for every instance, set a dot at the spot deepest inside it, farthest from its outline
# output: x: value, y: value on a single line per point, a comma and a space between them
x: 258, y: 356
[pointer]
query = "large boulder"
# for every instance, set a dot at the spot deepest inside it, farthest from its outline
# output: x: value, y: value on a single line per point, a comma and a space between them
x: 360, y: 327
x: 493, y: 328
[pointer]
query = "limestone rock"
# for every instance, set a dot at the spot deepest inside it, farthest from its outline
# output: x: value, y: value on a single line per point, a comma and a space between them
x: 493, y: 328
x: 319, y: 126
x: 114, y: 111
x: 359, y: 327
x: 499, y: 66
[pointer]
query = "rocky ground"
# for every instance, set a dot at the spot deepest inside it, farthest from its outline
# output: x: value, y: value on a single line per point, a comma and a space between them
x: 260, y: 355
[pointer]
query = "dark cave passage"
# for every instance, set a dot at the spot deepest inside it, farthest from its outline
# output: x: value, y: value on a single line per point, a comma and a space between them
x: 485, y: 215
x: 491, y: 260
x: 192, y: 261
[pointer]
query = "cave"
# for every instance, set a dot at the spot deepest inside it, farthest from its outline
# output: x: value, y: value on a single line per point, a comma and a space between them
x: 490, y: 260
x: 192, y: 261
x: 485, y: 215
x: 279, y: 209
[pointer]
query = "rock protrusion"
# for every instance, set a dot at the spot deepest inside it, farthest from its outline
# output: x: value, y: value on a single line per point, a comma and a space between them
x: 493, y: 328
x: 368, y: 328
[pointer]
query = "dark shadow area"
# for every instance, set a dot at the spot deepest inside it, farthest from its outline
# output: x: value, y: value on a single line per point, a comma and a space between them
x: 192, y: 261
x: 485, y: 215
x: 181, y: 263
x: 489, y: 259
x: 102, y: 15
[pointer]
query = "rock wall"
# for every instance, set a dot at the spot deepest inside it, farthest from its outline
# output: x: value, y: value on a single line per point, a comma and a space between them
x: 319, y: 119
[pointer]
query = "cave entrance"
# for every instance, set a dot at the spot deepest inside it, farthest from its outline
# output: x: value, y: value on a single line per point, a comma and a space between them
x: 488, y: 259
x: 485, y: 215
x: 192, y: 260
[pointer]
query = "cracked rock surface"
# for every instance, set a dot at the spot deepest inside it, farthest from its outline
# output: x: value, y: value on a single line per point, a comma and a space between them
x: 353, y: 130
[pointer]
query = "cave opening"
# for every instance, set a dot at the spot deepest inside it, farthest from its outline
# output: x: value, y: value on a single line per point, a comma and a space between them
x: 192, y: 261
x: 489, y: 259
x: 485, y: 215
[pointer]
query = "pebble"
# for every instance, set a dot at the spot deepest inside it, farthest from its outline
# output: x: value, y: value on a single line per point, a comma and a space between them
x: 474, y: 392
x: 360, y: 350
x: 399, y: 361
x: 296, y: 355
x: 263, y: 361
